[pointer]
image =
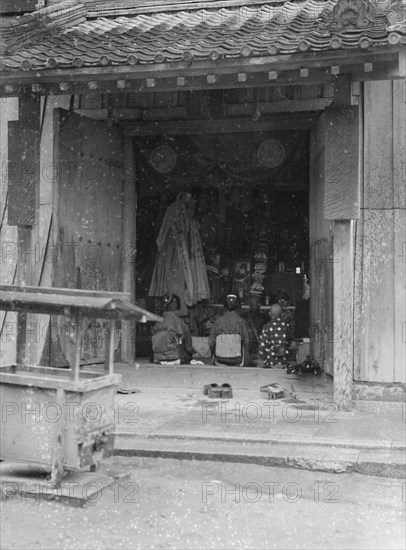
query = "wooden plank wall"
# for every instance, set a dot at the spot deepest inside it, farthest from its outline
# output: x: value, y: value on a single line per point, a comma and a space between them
x: 41, y: 244
x: 23, y: 169
x: 44, y: 236
x: 321, y: 255
x: 380, y: 299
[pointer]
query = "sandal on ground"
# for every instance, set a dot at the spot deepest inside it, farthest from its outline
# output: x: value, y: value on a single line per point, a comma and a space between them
x: 208, y: 387
x: 215, y: 392
x: 226, y: 391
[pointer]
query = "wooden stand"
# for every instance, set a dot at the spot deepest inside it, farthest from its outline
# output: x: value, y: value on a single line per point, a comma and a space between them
x: 64, y: 419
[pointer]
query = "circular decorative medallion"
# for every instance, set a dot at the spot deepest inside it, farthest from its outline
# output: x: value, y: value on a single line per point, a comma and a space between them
x: 163, y: 159
x: 271, y: 153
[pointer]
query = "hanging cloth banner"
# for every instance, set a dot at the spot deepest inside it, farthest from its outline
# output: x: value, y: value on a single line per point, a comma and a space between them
x: 278, y: 159
x: 180, y: 267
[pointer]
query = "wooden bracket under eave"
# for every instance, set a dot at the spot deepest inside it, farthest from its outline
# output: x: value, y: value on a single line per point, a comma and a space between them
x: 355, y: 92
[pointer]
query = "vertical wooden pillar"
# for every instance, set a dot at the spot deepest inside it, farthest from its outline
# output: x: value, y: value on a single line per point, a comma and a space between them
x: 399, y: 184
x: 129, y: 235
x: 24, y: 278
x: 342, y: 206
x: 24, y: 150
x: 343, y: 313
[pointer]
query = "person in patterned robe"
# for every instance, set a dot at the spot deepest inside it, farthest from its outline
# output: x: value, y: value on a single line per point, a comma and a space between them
x: 273, y: 342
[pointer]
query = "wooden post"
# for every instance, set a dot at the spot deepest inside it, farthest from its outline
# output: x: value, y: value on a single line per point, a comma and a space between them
x: 58, y: 448
x: 342, y: 205
x: 78, y: 347
x: 109, y: 359
x: 21, y: 353
x: 24, y: 208
x: 128, y: 248
x: 343, y: 313
x: 23, y: 241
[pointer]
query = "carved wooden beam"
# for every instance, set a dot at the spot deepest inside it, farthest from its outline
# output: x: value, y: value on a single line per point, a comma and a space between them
x: 190, y: 127
x: 135, y: 113
x: 231, y: 110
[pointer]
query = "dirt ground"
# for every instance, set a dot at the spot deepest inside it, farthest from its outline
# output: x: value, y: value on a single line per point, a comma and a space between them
x: 173, y: 504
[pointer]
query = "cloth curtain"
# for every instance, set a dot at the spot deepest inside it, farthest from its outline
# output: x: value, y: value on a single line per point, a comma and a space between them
x: 180, y: 267
x: 236, y: 156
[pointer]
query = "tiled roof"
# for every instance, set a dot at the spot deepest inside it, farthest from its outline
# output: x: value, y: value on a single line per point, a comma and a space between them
x: 64, y: 35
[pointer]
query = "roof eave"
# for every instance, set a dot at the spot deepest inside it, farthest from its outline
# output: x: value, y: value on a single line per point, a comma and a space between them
x: 225, y: 66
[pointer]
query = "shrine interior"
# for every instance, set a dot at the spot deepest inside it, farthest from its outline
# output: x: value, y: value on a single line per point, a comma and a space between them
x: 251, y: 200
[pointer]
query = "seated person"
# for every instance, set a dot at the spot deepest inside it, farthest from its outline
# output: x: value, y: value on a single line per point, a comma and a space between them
x: 273, y: 342
x: 255, y: 321
x: 171, y: 339
x: 286, y: 315
x: 229, y: 336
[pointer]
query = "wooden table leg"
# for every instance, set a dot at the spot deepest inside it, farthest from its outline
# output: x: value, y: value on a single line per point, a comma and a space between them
x: 109, y: 359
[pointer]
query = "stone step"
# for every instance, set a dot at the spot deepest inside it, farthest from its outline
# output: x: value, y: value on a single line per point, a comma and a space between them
x: 335, y: 459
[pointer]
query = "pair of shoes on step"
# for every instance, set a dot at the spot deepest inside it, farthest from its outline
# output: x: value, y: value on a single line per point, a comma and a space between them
x: 274, y: 391
x: 214, y: 391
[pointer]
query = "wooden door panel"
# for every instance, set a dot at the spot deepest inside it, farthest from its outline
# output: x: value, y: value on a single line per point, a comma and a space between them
x: 89, y: 157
